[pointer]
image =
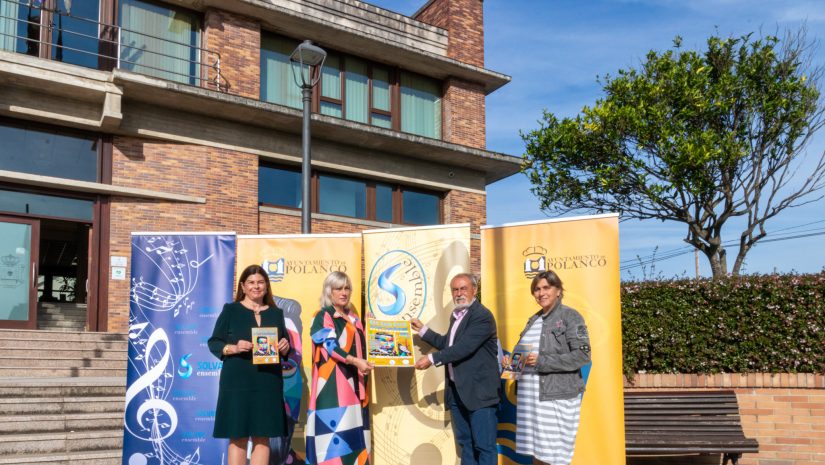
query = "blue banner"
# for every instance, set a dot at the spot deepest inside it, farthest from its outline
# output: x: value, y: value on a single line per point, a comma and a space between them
x: 179, y: 285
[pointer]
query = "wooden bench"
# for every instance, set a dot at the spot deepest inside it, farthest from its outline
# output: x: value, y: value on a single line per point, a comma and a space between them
x: 685, y: 423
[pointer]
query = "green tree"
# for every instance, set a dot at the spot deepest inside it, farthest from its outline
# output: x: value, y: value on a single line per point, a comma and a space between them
x: 694, y: 137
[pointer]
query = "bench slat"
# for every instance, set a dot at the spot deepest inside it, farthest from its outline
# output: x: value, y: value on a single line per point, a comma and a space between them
x: 684, y: 422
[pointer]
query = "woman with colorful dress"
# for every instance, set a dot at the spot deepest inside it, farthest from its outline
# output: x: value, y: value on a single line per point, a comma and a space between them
x: 338, y: 428
x: 551, y: 386
x: 250, y: 397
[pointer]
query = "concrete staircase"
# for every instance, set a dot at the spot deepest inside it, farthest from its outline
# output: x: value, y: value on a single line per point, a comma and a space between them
x: 61, y: 316
x: 61, y: 397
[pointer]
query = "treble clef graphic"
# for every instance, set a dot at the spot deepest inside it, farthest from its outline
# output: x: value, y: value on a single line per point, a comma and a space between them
x: 158, y: 408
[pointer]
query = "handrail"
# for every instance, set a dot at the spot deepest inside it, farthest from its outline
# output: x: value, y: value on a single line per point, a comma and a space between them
x: 205, y: 60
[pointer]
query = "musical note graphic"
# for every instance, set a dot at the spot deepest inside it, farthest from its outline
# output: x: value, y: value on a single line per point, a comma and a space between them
x: 165, y: 286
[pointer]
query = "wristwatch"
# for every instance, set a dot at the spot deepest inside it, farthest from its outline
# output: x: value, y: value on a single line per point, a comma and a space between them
x: 225, y: 349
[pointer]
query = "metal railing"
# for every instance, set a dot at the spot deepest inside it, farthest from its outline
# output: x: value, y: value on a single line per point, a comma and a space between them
x: 199, y: 66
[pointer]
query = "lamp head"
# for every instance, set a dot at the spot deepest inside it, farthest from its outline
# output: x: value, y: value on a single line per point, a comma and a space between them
x: 305, y: 56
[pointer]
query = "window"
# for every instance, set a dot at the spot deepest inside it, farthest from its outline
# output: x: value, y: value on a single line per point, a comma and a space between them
x: 420, y: 105
x: 161, y: 41
x: 342, y: 196
x: 48, y: 29
x: 28, y: 149
x: 279, y: 186
x: 352, y: 197
x: 45, y: 205
x: 277, y: 83
x: 420, y: 208
x: 355, y: 89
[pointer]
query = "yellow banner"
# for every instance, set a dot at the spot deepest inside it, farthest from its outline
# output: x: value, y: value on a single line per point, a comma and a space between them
x: 408, y: 272
x: 584, y: 251
x: 297, y: 266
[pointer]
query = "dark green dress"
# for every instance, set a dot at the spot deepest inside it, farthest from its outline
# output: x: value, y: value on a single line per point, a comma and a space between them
x: 250, y: 397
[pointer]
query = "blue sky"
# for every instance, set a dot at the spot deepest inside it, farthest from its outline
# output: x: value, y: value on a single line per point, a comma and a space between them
x: 554, y: 50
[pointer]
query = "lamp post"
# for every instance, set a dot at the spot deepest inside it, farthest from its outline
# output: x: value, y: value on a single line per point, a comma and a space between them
x: 307, y: 61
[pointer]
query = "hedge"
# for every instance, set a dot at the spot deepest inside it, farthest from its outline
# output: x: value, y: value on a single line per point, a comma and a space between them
x: 760, y: 323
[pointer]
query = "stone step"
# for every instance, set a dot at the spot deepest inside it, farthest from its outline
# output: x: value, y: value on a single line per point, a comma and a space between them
x: 58, y: 423
x: 40, y: 335
x: 52, y: 443
x: 8, y: 372
x: 58, y: 318
x: 90, y: 392
x: 47, y: 361
x: 69, y: 353
x: 103, y: 457
x: 62, y: 311
x: 67, y: 343
x: 61, y: 325
x: 61, y: 405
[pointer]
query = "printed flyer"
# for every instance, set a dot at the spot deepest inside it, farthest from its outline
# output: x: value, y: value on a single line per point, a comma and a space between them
x: 520, y: 353
x: 265, y: 346
x: 389, y: 343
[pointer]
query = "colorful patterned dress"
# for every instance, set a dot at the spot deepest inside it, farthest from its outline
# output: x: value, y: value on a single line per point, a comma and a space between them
x: 337, y: 429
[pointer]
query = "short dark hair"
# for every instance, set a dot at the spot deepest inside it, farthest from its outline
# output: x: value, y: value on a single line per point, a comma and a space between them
x: 246, y: 273
x: 551, y: 277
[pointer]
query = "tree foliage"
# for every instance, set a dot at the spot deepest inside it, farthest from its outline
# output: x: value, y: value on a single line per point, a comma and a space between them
x: 697, y: 138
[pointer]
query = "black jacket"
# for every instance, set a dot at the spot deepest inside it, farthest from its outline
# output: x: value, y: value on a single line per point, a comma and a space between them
x: 474, y: 355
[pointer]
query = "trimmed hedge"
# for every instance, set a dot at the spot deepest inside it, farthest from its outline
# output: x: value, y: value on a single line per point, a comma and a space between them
x: 760, y: 323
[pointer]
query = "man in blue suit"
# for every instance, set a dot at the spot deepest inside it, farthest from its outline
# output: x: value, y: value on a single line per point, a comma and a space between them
x: 469, y: 353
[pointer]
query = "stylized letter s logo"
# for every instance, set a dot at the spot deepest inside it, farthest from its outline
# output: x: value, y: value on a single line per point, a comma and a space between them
x: 386, y: 285
x: 185, y: 369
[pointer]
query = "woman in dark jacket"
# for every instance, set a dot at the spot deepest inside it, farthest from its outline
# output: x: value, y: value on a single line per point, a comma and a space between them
x: 250, y: 397
x: 550, y: 387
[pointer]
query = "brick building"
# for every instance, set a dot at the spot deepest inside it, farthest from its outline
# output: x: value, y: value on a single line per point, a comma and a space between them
x: 141, y: 115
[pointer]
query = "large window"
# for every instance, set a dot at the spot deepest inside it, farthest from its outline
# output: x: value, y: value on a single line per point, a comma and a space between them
x: 355, y: 89
x: 160, y: 40
x: 351, y: 197
x: 420, y: 105
x: 55, y: 29
x: 30, y: 149
x: 277, y: 84
x: 45, y: 205
x: 279, y: 186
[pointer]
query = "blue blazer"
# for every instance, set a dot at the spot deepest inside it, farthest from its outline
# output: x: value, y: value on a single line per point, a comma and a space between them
x: 474, y: 355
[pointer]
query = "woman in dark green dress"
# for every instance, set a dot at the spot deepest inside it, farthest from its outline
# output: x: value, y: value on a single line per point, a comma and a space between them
x: 250, y: 397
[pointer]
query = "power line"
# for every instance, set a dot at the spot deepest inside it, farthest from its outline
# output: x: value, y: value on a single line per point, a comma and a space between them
x: 677, y: 252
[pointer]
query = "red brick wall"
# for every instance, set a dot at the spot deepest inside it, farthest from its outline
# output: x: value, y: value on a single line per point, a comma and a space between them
x: 238, y: 41
x: 784, y: 412
x: 463, y: 107
x: 464, y: 22
x: 468, y: 207
x: 228, y: 180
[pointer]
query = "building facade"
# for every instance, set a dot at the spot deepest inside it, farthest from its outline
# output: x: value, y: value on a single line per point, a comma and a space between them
x: 139, y: 115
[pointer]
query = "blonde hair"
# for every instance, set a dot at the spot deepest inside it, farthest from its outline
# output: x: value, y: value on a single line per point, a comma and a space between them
x: 335, y: 280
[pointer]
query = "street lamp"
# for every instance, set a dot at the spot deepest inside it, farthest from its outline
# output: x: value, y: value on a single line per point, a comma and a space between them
x: 307, y: 61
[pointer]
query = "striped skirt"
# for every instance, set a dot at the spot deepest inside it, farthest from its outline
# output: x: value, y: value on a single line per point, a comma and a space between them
x: 545, y: 430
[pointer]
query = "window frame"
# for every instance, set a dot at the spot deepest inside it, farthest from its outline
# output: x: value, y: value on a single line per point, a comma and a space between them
x: 394, y: 87
x: 370, y: 195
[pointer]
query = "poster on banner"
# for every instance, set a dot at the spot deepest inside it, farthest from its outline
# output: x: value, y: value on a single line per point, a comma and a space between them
x: 179, y: 284
x: 389, y: 343
x: 408, y: 272
x: 584, y: 252
x: 297, y: 265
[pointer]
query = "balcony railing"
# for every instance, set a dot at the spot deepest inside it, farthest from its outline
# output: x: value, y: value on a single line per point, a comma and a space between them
x: 42, y: 33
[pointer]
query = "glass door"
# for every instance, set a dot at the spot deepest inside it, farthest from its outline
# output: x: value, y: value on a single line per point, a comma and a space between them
x: 19, y: 239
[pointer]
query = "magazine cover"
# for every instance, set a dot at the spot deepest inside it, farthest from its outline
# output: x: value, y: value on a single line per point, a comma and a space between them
x: 265, y: 346
x: 389, y: 343
x: 517, y: 359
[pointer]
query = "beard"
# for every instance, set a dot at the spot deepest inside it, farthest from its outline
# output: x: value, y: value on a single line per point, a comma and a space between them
x: 461, y: 305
